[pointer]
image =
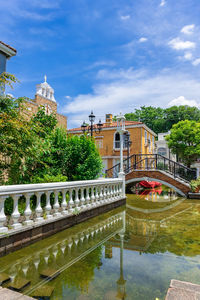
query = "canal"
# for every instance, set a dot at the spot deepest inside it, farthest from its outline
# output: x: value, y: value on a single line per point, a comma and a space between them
x: 129, y: 253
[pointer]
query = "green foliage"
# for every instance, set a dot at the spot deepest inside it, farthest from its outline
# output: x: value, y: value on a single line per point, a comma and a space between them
x: 195, y: 185
x: 7, y: 79
x: 49, y: 178
x: 162, y: 120
x: 81, y: 159
x: 43, y: 124
x: 184, y: 141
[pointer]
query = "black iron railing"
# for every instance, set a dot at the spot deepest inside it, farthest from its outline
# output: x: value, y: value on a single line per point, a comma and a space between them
x: 153, y: 162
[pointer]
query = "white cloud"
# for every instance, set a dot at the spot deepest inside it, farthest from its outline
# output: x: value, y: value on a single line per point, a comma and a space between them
x: 121, y: 90
x: 188, y: 56
x: 181, y: 100
x: 142, y: 40
x: 179, y: 44
x: 188, y: 29
x: 162, y: 3
x: 68, y: 97
x: 196, y: 62
x: 124, y: 18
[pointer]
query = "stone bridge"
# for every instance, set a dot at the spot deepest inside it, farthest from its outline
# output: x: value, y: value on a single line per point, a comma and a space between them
x: 155, y: 167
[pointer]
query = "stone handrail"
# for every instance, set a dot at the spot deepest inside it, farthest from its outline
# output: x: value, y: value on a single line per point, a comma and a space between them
x: 76, y: 196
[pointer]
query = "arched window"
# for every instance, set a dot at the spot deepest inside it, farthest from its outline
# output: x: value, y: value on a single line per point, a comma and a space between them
x: 162, y: 151
x: 117, y: 140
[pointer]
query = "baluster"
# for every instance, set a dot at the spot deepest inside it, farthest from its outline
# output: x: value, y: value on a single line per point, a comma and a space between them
x: 71, y: 202
x: 28, y: 211
x: 48, y: 205
x: 108, y: 193
x: 56, y: 205
x: 38, y: 209
x: 77, y: 202
x: 87, y: 197
x: 92, y: 197
x: 2, y: 215
x: 104, y: 193
x: 16, y: 214
x: 97, y: 195
x: 82, y: 199
x: 111, y: 192
x: 64, y: 203
x: 101, y: 194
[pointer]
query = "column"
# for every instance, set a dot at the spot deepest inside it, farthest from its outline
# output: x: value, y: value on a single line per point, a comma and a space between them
x: 48, y: 205
x: 28, y: 211
x: 38, y: 209
x: 3, y: 229
x: 16, y: 214
x: 56, y: 205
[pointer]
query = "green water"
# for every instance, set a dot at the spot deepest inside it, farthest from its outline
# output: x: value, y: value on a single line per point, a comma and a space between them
x: 130, y: 253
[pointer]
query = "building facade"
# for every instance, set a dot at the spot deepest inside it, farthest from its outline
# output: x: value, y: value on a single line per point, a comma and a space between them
x: 45, y: 97
x: 162, y: 147
x: 108, y: 140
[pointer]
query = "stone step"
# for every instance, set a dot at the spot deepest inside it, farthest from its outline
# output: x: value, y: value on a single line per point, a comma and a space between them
x: 183, y: 290
x: 19, y: 284
x: 6, y: 294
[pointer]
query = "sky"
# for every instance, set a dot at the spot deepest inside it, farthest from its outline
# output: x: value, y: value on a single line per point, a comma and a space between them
x: 107, y: 56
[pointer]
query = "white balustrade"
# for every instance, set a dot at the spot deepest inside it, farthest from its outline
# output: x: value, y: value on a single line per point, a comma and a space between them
x: 81, y: 196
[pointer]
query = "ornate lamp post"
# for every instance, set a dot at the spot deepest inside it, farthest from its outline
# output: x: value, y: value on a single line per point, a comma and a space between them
x: 128, y: 143
x: 91, y: 128
x: 121, y: 129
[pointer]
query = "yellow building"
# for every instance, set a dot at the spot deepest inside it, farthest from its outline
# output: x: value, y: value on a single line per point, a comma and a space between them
x: 108, y: 140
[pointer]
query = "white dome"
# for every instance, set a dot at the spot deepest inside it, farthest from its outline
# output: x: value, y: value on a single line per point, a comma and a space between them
x: 45, y: 90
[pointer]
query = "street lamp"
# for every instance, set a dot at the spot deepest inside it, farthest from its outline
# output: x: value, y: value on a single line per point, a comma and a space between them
x: 128, y: 144
x: 91, y: 128
x: 121, y: 129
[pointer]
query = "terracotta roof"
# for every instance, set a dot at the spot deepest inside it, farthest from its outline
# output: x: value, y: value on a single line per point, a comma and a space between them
x: 13, y: 49
x: 106, y: 125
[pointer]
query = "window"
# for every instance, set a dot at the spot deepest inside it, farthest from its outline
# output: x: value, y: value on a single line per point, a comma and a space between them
x: 117, y: 140
x: 145, y: 136
x: 149, y: 143
x: 162, y: 151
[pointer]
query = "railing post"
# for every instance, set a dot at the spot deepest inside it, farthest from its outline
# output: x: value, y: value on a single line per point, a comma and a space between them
x: 97, y: 195
x: 77, y: 198
x: 16, y: 214
x: 38, y: 209
x: 48, y: 205
x: 56, y: 205
x: 174, y: 170
x: 28, y: 211
x: 156, y: 161
x: 64, y: 203
x: 92, y: 196
x: 3, y: 228
x: 82, y: 199
x: 122, y: 176
x: 71, y: 202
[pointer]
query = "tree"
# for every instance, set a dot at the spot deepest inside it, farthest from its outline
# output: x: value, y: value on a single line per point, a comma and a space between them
x: 16, y: 139
x: 184, y: 140
x: 162, y: 120
x: 82, y: 160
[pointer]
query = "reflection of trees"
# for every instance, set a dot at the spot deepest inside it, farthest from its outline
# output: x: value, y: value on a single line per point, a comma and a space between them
x: 180, y: 236
x: 80, y: 274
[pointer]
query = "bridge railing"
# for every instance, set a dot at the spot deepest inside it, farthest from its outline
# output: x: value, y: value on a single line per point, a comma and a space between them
x: 153, y: 162
x: 28, y: 204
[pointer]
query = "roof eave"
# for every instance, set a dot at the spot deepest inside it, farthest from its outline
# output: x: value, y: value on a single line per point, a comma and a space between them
x: 7, y: 51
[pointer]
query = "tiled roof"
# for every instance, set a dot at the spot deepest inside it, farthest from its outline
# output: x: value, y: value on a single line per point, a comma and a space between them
x: 13, y: 49
x: 106, y: 125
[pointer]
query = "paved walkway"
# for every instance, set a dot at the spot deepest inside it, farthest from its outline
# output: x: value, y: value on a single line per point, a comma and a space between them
x: 181, y: 290
x: 6, y: 294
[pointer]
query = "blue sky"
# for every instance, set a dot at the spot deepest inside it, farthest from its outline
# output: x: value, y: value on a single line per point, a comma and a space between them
x: 110, y: 56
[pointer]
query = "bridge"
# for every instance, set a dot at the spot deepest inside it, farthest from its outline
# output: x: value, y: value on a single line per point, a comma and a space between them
x: 155, y: 167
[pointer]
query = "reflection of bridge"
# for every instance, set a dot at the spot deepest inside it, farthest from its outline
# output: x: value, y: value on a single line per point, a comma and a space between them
x: 155, y: 167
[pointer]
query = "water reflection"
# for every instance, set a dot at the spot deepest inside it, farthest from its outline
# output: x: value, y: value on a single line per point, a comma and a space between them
x: 124, y: 254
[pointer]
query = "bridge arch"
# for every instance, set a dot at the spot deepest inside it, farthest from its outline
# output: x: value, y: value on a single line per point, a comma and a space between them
x: 179, y: 191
